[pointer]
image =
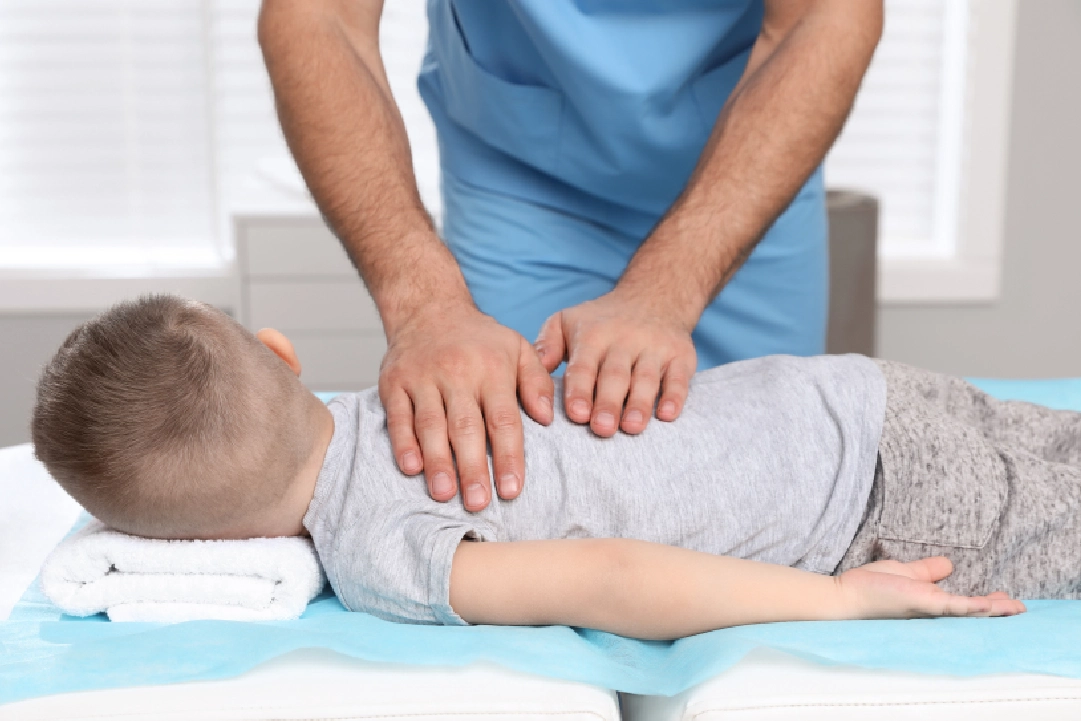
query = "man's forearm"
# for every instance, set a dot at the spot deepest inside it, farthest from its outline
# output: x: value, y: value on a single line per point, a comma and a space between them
x: 774, y: 130
x: 345, y: 131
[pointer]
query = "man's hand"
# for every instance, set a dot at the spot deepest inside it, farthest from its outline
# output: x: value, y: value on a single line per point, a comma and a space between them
x: 449, y: 382
x: 891, y: 589
x: 620, y: 353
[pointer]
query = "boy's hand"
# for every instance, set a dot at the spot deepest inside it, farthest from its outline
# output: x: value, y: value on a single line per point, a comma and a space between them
x: 891, y: 589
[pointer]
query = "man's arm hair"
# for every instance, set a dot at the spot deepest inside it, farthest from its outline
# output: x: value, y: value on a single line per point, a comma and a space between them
x: 451, y: 377
x: 347, y: 135
x: 774, y: 130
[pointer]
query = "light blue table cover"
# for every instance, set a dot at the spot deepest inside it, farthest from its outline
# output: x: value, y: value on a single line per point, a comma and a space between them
x: 45, y: 652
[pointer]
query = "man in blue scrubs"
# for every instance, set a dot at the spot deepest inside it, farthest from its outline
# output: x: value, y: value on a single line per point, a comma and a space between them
x: 633, y: 183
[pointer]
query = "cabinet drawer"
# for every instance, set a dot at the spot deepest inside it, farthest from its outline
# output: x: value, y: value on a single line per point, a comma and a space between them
x: 290, y: 248
x: 339, y: 362
x: 334, y: 305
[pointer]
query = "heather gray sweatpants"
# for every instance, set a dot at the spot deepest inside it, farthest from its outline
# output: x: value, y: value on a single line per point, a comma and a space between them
x: 993, y: 485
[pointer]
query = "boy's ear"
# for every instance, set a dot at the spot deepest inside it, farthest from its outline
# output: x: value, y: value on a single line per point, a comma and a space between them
x: 282, y: 347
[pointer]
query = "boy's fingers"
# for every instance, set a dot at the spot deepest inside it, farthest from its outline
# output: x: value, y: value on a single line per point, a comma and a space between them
x: 403, y: 441
x: 933, y: 568
x: 967, y: 606
x: 1003, y: 605
x: 995, y: 604
x: 430, y: 423
x: 535, y: 385
x: 469, y: 440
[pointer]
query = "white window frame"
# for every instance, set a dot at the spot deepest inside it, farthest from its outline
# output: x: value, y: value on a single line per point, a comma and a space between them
x: 964, y: 265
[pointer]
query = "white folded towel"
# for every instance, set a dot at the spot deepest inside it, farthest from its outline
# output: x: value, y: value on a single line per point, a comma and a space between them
x: 143, y: 579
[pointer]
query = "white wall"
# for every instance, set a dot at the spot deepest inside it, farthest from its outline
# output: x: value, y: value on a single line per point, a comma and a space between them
x: 1034, y: 328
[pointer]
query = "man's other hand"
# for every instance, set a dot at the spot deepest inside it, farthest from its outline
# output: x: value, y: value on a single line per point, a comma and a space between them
x: 621, y: 353
x: 450, y: 382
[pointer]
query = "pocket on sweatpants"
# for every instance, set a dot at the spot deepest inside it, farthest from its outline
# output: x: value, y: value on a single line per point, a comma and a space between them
x: 944, y: 483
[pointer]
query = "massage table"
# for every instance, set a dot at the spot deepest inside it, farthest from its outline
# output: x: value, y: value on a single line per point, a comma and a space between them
x: 311, y: 684
x: 316, y: 684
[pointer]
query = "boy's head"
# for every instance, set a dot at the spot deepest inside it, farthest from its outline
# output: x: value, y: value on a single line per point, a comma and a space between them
x: 164, y: 417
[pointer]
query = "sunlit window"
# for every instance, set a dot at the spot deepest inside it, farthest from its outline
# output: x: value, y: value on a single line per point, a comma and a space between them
x: 131, y: 131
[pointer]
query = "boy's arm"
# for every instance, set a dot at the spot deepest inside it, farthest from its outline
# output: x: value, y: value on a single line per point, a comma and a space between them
x: 653, y: 591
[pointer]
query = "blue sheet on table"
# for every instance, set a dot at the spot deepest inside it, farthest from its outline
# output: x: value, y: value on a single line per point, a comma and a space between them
x: 44, y: 652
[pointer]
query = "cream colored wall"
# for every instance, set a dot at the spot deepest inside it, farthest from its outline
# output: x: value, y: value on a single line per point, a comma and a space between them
x: 1034, y: 329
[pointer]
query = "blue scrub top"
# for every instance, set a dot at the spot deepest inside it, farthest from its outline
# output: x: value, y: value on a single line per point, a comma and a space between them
x: 598, y: 107
x: 566, y: 130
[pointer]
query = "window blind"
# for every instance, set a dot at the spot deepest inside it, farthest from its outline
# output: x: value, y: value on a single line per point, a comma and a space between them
x: 249, y: 138
x: 104, y: 152
x: 130, y: 130
x: 902, y: 141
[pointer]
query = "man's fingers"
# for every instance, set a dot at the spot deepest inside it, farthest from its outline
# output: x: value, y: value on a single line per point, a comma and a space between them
x: 578, y: 382
x: 613, y: 382
x: 676, y: 384
x: 403, y: 441
x: 535, y: 385
x: 430, y: 422
x: 504, y: 424
x: 467, y: 436
x: 550, y: 344
x: 645, y: 383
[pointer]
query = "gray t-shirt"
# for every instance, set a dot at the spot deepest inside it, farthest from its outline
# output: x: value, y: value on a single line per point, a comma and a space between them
x: 772, y: 459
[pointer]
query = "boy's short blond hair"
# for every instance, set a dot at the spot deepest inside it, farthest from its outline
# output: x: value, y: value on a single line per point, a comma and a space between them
x: 164, y: 417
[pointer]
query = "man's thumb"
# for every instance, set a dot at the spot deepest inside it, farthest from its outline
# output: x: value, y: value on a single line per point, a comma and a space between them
x: 549, y: 344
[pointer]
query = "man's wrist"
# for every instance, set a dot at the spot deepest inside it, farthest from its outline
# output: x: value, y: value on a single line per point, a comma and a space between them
x: 680, y: 307
x: 427, y: 280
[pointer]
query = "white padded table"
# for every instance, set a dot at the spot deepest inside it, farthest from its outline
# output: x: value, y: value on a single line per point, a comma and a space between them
x: 766, y: 686
x: 313, y: 684
x: 770, y: 686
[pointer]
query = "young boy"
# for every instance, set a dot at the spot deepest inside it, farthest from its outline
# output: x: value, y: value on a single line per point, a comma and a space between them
x: 789, y: 489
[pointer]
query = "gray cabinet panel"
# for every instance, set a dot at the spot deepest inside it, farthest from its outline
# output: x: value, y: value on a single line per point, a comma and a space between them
x: 290, y: 247
x: 316, y: 305
x: 339, y: 362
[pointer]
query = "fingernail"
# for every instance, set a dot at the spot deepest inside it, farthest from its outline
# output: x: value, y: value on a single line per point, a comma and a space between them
x: 668, y: 408
x: 540, y: 350
x: 410, y: 462
x: 545, y: 401
x: 508, y: 483
x: 634, y: 417
x: 580, y: 408
x: 606, y: 420
x: 442, y: 484
x: 475, y: 495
